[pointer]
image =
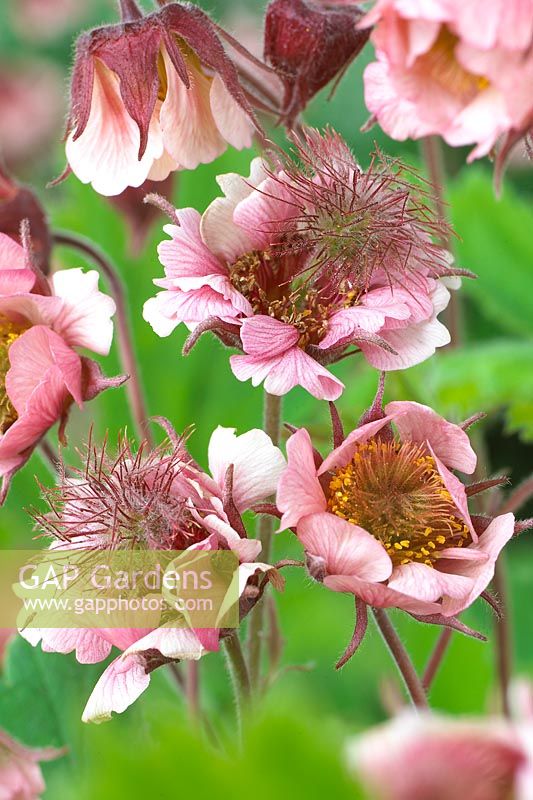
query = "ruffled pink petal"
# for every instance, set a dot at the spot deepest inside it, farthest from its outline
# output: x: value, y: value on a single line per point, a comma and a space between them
x: 89, y: 646
x: 343, y: 454
x: 186, y: 254
x: 379, y: 595
x: 234, y: 125
x: 11, y: 254
x: 168, y: 309
x: 190, y: 133
x: 346, y: 549
x: 413, y: 344
x: 265, y: 336
x: 106, y: 153
x: 219, y: 232
x: 85, y: 319
x: 299, y: 490
x: 419, y: 423
x: 36, y: 309
x: 349, y: 321
x: 283, y: 372
x: 257, y: 464
x: 120, y: 685
x: 428, y: 584
x: 177, y: 643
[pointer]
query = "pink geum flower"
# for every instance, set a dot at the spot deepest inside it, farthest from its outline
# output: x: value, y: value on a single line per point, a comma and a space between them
x: 294, y: 265
x: 424, y: 757
x: 42, y: 321
x: 159, y: 500
x: 384, y: 517
x: 462, y: 70
x: 151, y: 95
x: 20, y: 774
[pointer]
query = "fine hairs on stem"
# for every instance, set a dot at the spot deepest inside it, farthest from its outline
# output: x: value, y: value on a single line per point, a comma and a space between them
x: 400, y: 657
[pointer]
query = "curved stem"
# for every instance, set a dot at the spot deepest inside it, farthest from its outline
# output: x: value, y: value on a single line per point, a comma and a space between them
x: 125, y: 341
x: 431, y: 147
x: 401, y: 658
x: 435, y: 660
x: 271, y: 426
x: 503, y: 635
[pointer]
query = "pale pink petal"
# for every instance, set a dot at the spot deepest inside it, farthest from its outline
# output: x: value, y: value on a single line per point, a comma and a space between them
x: 346, y: 549
x: 343, y: 454
x: 90, y: 647
x: 178, y: 643
x: 85, y: 319
x: 121, y: 684
x: 419, y: 423
x: 413, y: 344
x: 232, y: 122
x: 11, y: 254
x: 190, y: 133
x: 265, y: 336
x: 379, y: 595
x: 186, y: 254
x: 106, y: 153
x: 219, y: 232
x: 168, y: 309
x: 31, y: 357
x: 244, y: 549
x: 299, y: 490
x: 257, y: 464
x: 428, y: 584
x: 457, y: 492
x: 15, y: 281
x: 490, y: 543
x: 263, y: 213
x: 349, y: 321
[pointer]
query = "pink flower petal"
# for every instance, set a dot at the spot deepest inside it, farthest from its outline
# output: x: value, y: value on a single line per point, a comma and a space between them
x: 346, y: 549
x: 263, y: 213
x: 186, y: 254
x: 190, y: 133
x: 106, y: 153
x: 343, y: 454
x: 379, y: 595
x: 120, y: 685
x: 264, y: 336
x: 457, y: 492
x: 299, y: 490
x: 419, y: 423
x: 428, y: 584
x: 234, y: 125
x: 90, y: 647
x: 11, y: 254
x: 85, y: 319
x: 257, y: 464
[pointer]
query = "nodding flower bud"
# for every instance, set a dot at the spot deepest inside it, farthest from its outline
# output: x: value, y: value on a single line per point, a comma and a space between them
x: 151, y: 95
x: 309, y: 45
x: 18, y: 204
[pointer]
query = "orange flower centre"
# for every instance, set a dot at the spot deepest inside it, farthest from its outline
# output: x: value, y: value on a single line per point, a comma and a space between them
x: 395, y: 492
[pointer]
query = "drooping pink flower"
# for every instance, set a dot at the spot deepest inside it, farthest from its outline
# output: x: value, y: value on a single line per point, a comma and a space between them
x: 152, y: 95
x: 158, y: 500
x: 20, y: 774
x: 294, y: 265
x: 460, y: 70
x: 385, y: 518
x: 424, y: 757
x: 42, y: 321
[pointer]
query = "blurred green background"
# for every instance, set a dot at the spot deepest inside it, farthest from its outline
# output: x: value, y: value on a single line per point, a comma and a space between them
x: 295, y: 738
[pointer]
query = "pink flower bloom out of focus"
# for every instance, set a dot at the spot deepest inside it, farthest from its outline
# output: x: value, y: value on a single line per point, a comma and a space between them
x: 462, y: 70
x: 158, y: 500
x: 424, y: 757
x: 385, y: 518
x: 42, y: 320
x: 294, y: 265
x: 20, y: 775
x: 152, y: 95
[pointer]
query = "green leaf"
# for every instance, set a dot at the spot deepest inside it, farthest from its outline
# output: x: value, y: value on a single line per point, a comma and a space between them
x: 42, y: 695
x: 495, y: 243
